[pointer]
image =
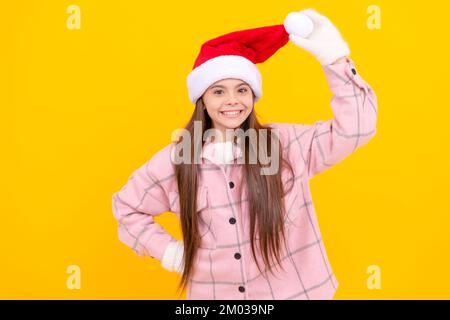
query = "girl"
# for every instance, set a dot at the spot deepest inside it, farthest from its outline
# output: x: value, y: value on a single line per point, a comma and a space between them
x: 248, y: 235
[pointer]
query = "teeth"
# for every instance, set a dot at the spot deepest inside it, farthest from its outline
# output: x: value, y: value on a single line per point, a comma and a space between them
x: 231, y: 113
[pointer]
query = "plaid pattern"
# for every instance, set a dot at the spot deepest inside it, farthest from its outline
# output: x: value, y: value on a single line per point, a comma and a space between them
x: 224, y: 267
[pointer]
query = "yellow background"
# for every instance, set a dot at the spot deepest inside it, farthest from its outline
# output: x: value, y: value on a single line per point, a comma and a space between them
x: 82, y: 109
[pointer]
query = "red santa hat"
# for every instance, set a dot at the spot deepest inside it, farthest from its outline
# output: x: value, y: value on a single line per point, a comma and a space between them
x: 235, y: 55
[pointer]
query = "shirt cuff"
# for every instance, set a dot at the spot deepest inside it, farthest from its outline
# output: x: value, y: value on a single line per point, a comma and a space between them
x: 341, y: 76
x: 172, y: 259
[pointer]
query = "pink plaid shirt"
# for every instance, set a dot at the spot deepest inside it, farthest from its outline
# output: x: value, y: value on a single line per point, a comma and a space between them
x: 224, y: 266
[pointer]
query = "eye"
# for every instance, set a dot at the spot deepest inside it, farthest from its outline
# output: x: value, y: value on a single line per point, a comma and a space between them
x: 217, y: 91
x: 245, y: 90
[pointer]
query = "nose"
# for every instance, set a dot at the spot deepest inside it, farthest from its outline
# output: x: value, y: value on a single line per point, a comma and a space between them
x: 232, y: 100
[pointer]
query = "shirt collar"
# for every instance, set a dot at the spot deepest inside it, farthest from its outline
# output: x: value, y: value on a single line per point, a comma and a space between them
x: 221, y: 152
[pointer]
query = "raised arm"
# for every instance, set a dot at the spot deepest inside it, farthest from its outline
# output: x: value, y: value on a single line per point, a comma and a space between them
x: 354, y: 106
x: 354, y: 103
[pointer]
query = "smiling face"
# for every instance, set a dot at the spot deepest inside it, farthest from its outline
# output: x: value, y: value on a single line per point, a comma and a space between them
x: 228, y: 103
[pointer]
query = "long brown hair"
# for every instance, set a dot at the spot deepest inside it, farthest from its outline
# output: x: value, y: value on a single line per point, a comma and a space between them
x: 265, y: 196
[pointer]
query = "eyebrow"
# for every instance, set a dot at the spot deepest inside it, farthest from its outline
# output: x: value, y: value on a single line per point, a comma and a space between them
x: 220, y: 86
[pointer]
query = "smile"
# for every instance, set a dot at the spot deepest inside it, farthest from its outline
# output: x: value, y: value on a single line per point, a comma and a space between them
x: 231, y: 114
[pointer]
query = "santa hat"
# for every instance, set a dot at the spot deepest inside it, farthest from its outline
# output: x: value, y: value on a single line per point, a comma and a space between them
x: 235, y: 55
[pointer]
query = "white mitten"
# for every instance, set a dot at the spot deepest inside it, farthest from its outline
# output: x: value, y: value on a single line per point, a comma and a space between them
x: 324, y: 42
x: 172, y: 259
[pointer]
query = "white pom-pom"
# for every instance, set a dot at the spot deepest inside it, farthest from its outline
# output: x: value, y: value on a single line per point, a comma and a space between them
x: 298, y: 24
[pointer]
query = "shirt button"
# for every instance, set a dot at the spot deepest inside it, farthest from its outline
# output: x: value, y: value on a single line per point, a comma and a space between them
x: 237, y: 255
x: 231, y: 184
x: 232, y: 221
x: 241, y: 289
x: 353, y: 71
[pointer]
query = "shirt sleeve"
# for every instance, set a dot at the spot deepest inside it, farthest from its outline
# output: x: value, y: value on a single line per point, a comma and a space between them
x: 323, y: 144
x: 135, y: 206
